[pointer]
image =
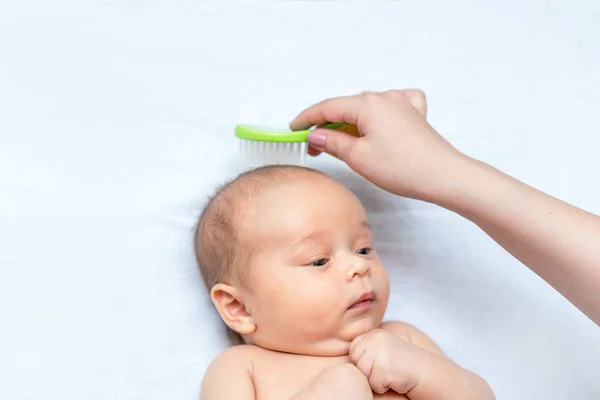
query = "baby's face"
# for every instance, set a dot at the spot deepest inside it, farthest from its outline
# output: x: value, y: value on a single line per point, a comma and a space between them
x: 312, y: 262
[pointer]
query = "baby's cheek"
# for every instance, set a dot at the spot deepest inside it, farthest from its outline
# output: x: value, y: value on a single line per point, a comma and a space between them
x: 312, y: 297
x: 382, y: 279
x: 326, y: 303
x: 304, y: 294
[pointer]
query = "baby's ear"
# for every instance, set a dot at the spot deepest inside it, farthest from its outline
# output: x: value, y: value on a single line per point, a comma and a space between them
x: 230, y: 305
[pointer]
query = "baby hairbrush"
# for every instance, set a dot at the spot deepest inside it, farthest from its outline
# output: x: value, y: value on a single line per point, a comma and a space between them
x: 267, y: 146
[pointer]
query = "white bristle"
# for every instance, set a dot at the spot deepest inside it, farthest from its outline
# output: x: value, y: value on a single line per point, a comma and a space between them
x: 257, y: 153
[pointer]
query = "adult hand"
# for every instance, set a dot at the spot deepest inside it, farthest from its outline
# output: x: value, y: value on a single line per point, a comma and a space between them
x: 398, y: 150
x: 401, y: 153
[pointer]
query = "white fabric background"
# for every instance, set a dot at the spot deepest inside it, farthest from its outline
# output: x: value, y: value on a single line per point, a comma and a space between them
x: 116, y: 121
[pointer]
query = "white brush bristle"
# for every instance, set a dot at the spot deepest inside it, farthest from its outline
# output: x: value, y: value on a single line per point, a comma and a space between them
x: 256, y: 153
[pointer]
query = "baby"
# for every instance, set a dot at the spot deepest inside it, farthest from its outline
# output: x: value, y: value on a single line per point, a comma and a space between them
x: 289, y: 259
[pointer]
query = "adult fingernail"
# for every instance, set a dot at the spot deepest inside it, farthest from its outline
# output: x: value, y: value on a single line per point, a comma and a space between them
x: 317, y: 139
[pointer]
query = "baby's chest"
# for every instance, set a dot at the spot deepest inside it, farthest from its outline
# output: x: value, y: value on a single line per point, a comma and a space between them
x: 281, y: 379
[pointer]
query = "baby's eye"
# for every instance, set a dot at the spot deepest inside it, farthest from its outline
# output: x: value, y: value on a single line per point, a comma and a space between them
x: 319, y: 263
x: 364, y: 251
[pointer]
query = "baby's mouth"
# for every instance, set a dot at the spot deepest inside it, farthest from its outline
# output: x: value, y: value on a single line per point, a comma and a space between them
x: 364, y: 301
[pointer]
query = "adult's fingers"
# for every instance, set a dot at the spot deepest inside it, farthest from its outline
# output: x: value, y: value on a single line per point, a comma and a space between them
x: 339, y: 109
x: 416, y: 98
x: 335, y: 143
x: 313, y: 152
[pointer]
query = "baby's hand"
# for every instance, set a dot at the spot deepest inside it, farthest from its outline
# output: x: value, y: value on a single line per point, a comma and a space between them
x: 387, y: 362
x: 392, y: 363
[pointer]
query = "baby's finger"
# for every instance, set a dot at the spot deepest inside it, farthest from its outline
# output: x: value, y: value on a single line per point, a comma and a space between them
x: 357, y: 348
x: 357, y: 340
x: 365, y: 365
x: 376, y: 386
x: 339, y: 109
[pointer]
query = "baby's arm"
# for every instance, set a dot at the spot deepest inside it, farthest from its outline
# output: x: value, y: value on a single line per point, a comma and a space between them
x: 228, y: 377
x: 412, y: 335
x: 439, y: 377
x: 443, y: 379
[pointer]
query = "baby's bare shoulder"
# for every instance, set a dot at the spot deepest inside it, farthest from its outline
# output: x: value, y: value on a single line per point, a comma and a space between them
x: 411, y: 334
x: 240, y: 356
x: 232, y: 365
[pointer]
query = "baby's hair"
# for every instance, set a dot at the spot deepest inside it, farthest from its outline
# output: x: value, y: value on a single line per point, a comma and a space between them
x: 219, y: 252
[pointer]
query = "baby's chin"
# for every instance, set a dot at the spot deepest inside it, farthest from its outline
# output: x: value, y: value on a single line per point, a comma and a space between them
x: 358, y: 327
x: 329, y: 347
x: 326, y: 348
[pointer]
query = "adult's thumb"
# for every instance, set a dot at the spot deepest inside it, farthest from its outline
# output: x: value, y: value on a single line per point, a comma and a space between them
x: 335, y: 143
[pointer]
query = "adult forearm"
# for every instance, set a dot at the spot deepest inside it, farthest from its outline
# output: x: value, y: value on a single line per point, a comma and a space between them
x: 559, y: 242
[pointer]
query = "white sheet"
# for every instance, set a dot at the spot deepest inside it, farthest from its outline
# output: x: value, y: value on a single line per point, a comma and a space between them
x: 115, y: 123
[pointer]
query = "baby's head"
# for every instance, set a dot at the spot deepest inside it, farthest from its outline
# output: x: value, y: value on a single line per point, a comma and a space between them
x: 287, y: 255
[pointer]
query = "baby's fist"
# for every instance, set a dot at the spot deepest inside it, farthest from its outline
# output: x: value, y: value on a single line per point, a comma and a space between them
x: 387, y: 362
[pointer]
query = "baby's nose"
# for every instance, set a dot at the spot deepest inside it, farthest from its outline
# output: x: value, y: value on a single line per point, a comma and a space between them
x: 359, y: 267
